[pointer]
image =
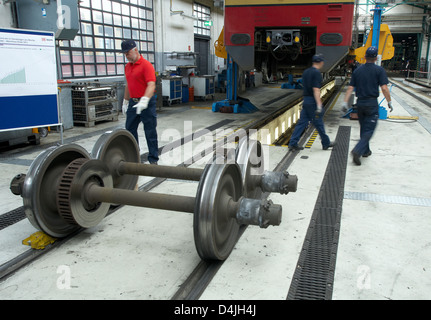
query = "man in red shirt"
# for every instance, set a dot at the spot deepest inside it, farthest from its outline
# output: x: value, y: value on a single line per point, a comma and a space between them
x: 139, y: 100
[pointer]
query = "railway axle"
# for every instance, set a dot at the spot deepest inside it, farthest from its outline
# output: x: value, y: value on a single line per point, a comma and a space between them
x: 66, y: 189
x: 119, y: 150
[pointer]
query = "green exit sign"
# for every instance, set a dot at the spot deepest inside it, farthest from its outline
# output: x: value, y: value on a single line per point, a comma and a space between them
x: 208, y: 23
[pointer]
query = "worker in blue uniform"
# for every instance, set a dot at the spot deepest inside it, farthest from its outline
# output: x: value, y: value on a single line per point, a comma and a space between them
x: 366, y: 80
x: 312, y: 108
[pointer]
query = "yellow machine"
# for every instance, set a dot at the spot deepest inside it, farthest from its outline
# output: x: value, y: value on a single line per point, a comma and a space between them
x: 386, y: 45
x: 220, y: 49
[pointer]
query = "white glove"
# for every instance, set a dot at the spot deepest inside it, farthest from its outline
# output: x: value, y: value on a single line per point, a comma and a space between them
x: 390, y: 106
x: 319, y: 111
x: 344, y: 106
x: 141, y: 105
x: 125, y: 106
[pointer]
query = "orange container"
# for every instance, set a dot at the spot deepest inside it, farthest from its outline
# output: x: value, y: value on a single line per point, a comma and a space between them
x: 191, y: 94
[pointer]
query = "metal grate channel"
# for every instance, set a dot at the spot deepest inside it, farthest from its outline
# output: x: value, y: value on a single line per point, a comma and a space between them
x: 410, y: 201
x: 11, y: 217
x: 314, y: 275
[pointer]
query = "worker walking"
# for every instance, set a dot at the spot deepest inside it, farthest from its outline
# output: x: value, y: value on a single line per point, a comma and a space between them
x: 312, y: 109
x: 139, y: 103
x: 367, y: 79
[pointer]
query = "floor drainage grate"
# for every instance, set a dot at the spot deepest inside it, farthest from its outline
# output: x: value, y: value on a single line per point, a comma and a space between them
x: 411, y: 201
x: 314, y: 275
x: 11, y: 217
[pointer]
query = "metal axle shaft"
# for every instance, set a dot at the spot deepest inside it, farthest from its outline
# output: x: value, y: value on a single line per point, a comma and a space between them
x: 246, y: 211
x: 280, y: 182
x: 140, y: 169
x: 95, y: 194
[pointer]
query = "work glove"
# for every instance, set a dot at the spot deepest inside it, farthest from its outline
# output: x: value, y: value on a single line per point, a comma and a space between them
x: 344, y: 106
x: 319, y: 111
x: 125, y: 106
x: 390, y: 106
x: 142, y: 104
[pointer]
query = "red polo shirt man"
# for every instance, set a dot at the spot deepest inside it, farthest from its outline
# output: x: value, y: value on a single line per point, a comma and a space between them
x: 139, y: 103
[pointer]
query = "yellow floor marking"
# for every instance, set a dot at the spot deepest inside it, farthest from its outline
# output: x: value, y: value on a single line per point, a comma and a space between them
x: 312, y: 139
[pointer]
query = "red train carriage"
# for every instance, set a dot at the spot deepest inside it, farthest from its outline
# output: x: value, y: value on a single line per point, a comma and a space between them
x: 280, y: 36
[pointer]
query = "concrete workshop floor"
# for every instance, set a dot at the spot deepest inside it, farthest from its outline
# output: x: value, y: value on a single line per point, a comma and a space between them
x: 384, y: 248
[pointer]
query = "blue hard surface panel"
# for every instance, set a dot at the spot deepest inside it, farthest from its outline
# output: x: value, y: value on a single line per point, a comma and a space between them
x: 28, y: 111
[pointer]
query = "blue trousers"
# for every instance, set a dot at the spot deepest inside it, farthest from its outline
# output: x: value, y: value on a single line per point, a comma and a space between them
x: 149, y: 119
x: 368, y: 117
x: 308, y: 114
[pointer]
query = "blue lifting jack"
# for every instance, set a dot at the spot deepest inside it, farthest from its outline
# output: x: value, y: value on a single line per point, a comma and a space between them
x: 383, y: 113
x: 348, y: 112
x: 292, y: 84
x: 233, y: 102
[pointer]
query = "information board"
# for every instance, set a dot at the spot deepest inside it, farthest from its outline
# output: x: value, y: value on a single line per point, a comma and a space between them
x: 28, y: 79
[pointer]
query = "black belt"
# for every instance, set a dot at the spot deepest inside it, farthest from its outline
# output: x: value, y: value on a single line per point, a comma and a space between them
x: 136, y: 99
x: 368, y: 98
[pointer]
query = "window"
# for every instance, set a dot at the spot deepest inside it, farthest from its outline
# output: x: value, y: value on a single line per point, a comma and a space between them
x: 104, y: 25
x: 204, y: 15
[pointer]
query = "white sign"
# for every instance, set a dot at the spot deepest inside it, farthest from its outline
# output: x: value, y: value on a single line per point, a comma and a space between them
x: 28, y: 79
x: 27, y: 64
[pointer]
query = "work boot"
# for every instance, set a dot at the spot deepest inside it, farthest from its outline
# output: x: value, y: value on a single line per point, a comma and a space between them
x: 369, y: 153
x: 331, y: 145
x: 356, y: 158
x: 295, y: 148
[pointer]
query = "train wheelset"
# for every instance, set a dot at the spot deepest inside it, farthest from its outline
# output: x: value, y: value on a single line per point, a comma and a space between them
x: 66, y: 189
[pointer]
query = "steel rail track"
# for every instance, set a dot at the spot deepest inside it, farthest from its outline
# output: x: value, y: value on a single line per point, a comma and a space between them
x: 14, y: 264
x: 9, y: 218
x: 195, y: 285
x: 18, y: 214
x: 415, y: 95
x: 201, y: 276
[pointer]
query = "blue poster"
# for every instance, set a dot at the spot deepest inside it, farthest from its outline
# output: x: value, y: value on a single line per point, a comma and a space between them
x: 28, y: 79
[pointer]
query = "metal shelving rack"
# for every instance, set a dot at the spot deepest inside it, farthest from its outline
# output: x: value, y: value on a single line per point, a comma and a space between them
x: 92, y: 102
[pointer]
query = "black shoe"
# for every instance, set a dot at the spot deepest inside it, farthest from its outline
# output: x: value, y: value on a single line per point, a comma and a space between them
x: 295, y: 148
x: 356, y: 158
x: 369, y: 153
x: 331, y: 145
x: 155, y: 163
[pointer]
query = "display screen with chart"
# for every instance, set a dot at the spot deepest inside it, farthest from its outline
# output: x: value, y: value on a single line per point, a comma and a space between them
x: 28, y: 79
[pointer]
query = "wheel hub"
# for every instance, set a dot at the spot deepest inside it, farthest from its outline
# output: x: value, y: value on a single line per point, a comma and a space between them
x: 73, y: 205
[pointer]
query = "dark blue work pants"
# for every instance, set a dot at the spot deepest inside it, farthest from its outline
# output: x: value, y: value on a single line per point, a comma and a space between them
x: 308, y: 114
x: 368, y: 117
x: 149, y: 119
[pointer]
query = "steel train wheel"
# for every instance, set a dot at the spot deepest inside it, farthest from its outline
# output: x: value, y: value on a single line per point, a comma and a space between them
x: 249, y: 157
x: 40, y: 189
x: 114, y: 147
x: 215, y: 232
